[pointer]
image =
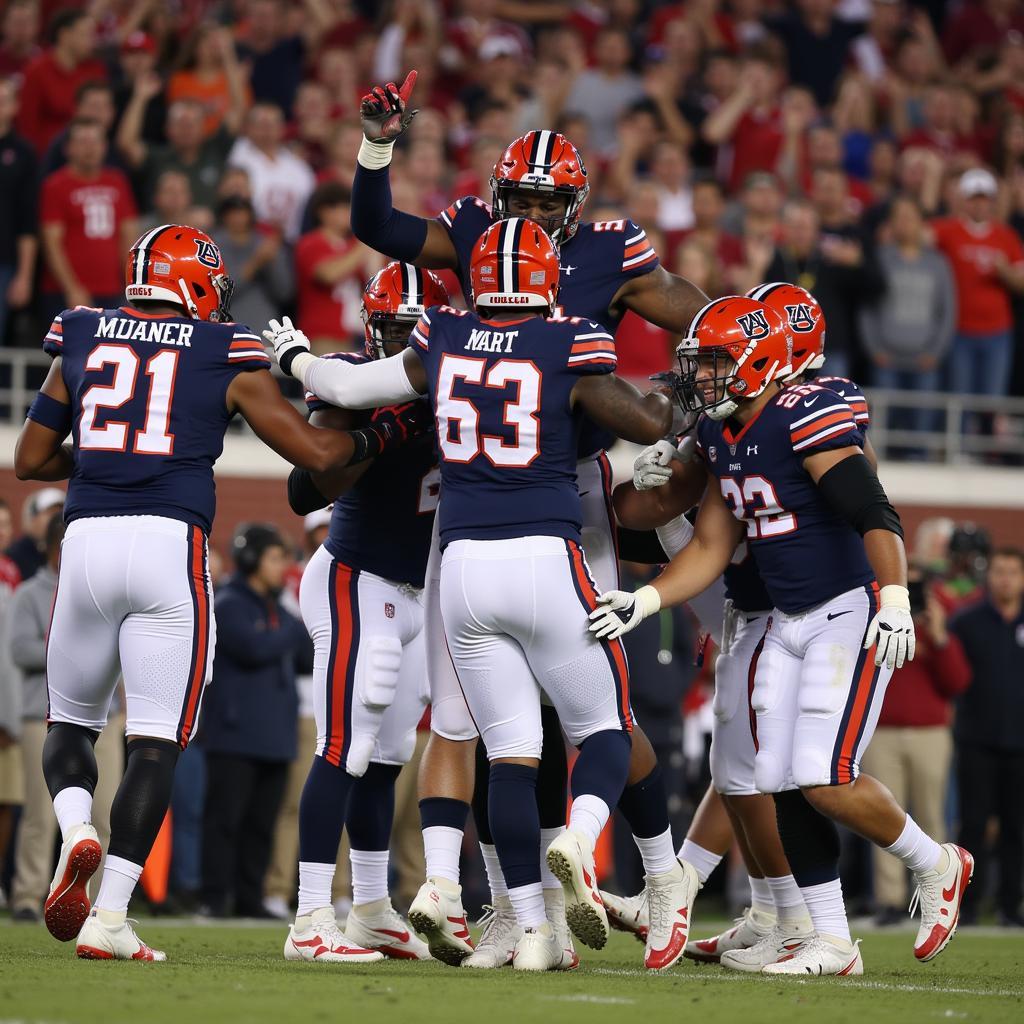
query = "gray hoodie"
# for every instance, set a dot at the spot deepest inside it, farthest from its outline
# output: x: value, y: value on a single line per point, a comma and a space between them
x: 28, y: 619
x: 917, y: 314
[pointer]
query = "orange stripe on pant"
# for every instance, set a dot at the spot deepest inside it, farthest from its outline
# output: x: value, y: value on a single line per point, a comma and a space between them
x: 197, y: 581
x: 614, y: 647
x: 862, y: 689
x: 341, y: 665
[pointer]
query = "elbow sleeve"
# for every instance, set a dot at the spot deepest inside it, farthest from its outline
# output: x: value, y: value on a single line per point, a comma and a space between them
x: 377, y: 223
x: 854, y: 491
x: 363, y: 386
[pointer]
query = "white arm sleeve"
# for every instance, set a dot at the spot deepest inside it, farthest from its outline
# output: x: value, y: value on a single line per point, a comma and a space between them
x: 675, y: 535
x: 356, y: 385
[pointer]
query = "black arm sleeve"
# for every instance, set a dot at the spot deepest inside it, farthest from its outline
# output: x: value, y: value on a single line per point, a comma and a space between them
x: 303, y: 496
x: 641, y: 546
x: 377, y: 223
x: 853, y: 490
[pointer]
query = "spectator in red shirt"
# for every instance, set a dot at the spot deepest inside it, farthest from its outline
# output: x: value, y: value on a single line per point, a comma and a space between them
x: 52, y: 79
x: 89, y: 222
x: 987, y: 260
x: 940, y: 129
x: 913, y: 745
x: 727, y: 249
x: 330, y: 266
x: 19, y: 37
x: 750, y: 119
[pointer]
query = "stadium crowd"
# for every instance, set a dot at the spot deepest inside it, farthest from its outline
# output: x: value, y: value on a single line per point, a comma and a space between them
x: 870, y: 150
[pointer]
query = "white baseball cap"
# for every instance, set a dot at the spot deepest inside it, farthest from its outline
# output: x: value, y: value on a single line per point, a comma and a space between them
x: 978, y: 182
x: 313, y: 521
x: 47, y: 498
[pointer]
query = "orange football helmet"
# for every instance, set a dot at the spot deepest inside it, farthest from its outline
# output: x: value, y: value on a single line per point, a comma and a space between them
x: 514, y: 263
x: 183, y: 266
x: 805, y: 318
x: 542, y: 161
x: 393, y: 300
x: 735, y: 347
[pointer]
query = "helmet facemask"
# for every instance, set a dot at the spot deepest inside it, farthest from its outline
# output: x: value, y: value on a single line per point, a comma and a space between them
x: 559, y: 228
x: 713, y: 392
x: 387, y: 334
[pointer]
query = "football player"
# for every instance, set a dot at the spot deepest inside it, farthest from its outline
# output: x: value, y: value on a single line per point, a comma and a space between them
x: 361, y: 599
x: 777, y: 917
x: 146, y: 392
x: 792, y: 478
x: 605, y: 268
x: 509, y: 387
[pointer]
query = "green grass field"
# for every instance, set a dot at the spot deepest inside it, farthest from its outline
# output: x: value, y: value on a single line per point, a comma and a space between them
x: 226, y: 974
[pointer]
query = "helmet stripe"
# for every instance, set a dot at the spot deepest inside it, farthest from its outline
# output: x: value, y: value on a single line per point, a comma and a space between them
x: 141, y: 255
x: 761, y: 292
x: 147, y: 249
x: 542, y: 159
x: 505, y: 235
x: 531, y: 156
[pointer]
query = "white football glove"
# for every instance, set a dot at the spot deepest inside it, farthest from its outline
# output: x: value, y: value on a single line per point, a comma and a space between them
x: 892, y: 628
x: 288, y: 342
x: 619, y: 612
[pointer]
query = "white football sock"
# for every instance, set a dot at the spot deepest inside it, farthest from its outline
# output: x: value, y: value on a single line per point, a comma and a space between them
x: 315, y: 881
x: 917, y: 850
x: 657, y: 853
x: 828, y: 912
x: 369, y: 876
x: 788, y: 900
x: 528, y: 901
x: 495, y: 876
x: 547, y: 837
x: 703, y: 861
x: 441, y: 847
x: 120, y: 877
x: 73, y: 806
x: 588, y: 816
x: 760, y: 895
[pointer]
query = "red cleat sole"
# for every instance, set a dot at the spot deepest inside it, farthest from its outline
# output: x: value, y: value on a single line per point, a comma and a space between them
x: 941, y: 938
x: 68, y: 905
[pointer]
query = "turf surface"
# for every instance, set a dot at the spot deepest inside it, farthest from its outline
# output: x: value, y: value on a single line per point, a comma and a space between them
x: 227, y: 974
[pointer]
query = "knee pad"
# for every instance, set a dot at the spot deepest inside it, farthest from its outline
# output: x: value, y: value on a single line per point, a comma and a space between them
x: 450, y: 719
x: 812, y: 766
x: 69, y: 759
x: 771, y: 775
x: 729, y: 688
x: 379, y: 680
x: 825, y: 680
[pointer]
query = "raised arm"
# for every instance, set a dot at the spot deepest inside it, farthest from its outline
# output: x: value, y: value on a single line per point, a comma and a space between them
x: 616, y: 405
x: 401, y: 236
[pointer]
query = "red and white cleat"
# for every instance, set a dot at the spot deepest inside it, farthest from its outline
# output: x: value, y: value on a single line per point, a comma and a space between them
x: 779, y: 942
x: 554, y: 906
x: 67, y: 906
x: 438, y: 914
x: 378, y: 925
x: 669, y: 906
x: 571, y: 860
x: 317, y: 938
x: 747, y: 931
x: 820, y: 955
x: 110, y: 936
x: 939, y: 895
x: 628, y: 913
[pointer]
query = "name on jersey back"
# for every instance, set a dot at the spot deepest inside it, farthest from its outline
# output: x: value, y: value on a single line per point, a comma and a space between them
x: 490, y: 341
x: 159, y: 332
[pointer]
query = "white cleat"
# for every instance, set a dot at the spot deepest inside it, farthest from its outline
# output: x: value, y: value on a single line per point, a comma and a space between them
x: 570, y: 859
x: 820, y: 955
x: 438, y: 914
x: 779, y: 942
x: 747, y: 931
x: 628, y: 913
x: 378, y: 925
x: 939, y: 895
x: 317, y: 938
x: 497, y: 943
x: 538, y: 949
x: 67, y: 905
x: 554, y: 908
x: 669, y: 906
x: 113, y: 940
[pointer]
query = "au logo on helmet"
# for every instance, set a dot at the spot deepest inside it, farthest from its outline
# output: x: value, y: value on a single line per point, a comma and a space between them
x: 801, y: 319
x: 207, y: 253
x: 753, y: 325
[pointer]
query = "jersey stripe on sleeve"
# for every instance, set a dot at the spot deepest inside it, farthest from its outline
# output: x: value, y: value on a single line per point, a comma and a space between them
x: 593, y: 348
x: 421, y: 333
x: 447, y: 217
x: 638, y: 251
x: 828, y: 422
x: 54, y: 340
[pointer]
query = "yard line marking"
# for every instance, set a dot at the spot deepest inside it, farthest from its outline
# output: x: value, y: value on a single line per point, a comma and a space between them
x: 582, y: 997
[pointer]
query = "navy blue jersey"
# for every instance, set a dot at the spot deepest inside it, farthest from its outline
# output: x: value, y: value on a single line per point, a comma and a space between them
x: 506, y: 430
x: 851, y: 393
x: 805, y: 552
x: 383, y: 523
x: 148, y: 409
x: 743, y: 583
x: 595, y: 263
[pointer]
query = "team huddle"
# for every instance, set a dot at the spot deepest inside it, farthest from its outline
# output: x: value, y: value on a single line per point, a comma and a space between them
x: 472, y: 565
